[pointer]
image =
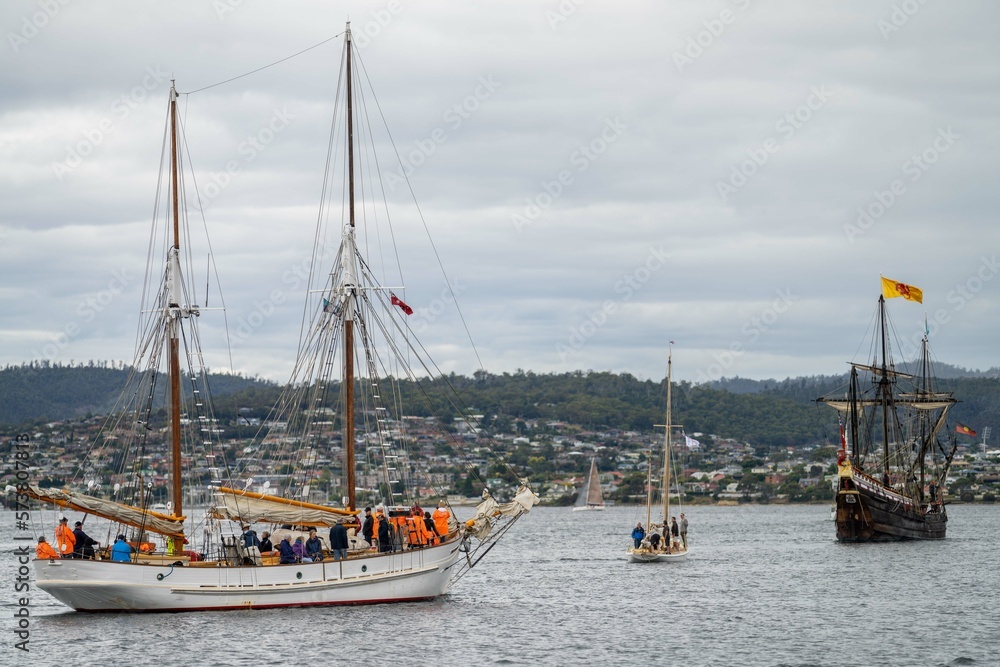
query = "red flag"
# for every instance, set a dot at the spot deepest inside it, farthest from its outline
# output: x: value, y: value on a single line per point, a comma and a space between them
x: 963, y: 429
x: 396, y: 301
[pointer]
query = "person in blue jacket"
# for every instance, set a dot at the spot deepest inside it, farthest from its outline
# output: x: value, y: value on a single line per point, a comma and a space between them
x: 637, y: 534
x: 287, y: 553
x: 121, y: 551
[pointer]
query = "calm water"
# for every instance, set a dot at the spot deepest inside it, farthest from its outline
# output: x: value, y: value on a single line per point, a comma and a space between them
x: 763, y: 586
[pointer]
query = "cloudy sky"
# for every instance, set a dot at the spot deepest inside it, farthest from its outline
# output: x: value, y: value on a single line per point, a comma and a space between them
x: 599, y: 178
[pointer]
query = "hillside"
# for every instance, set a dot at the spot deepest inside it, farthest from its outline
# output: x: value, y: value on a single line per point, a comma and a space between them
x: 774, y: 414
x: 40, y: 391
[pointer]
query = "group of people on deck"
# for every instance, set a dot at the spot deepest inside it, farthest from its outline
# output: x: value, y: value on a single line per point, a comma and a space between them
x: 670, y: 539
x: 71, y: 543
x: 416, y: 530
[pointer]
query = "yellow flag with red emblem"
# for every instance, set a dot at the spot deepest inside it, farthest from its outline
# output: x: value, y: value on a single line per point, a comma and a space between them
x: 891, y: 288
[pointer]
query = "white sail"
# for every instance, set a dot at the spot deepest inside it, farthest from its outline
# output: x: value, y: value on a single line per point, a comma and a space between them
x: 590, y: 496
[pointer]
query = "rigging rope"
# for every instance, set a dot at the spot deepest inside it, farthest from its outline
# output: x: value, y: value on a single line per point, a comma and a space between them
x: 259, y: 69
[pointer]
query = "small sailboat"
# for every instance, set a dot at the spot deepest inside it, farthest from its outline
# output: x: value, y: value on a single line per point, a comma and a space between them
x: 892, y: 460
x: 590, y: 497
x: 344, y: 393
x: 668, y: 549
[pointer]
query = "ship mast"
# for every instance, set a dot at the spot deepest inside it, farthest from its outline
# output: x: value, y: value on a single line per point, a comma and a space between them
x: 884, y: 389
x: 173, y: 326
x: 350, y: 286
x: 666, y: 455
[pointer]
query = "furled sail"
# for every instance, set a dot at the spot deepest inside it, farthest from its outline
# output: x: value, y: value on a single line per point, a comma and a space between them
x: 486, y: 511
x: 248, y: 507
x: 154, y: 522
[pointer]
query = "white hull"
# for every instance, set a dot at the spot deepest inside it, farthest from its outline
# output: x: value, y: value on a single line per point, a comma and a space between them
x: 88, y: 585
x: 589, y: 508
x: 647, y: 556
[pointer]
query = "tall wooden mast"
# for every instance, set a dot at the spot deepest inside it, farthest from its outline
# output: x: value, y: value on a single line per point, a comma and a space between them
x: 350, y: 286
x: 173, y: 326
x: 666, y: 454
x: 885, y: 387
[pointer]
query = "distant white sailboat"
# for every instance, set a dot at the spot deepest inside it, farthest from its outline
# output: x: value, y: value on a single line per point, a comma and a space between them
x: 591, y: 498
x: 666, y: 551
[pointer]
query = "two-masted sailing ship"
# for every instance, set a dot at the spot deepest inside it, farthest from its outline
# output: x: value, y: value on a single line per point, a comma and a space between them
x: 667, y: 549
x: 355, y: 352
x: 893, y: 459
x: 590, y: 497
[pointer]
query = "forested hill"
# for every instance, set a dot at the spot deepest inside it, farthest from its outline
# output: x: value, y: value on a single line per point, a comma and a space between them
x: 789, y: 386
x: 40, y: 391
x: 778, y: 414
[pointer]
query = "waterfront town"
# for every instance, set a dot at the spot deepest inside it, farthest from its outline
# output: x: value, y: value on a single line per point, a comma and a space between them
x: 554, y: 454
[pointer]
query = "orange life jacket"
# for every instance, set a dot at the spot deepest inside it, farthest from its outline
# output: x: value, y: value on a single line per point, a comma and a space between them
x: 415, y: 526
x: 45, y: 551
x: 440, y: 517
x: 65, y: 539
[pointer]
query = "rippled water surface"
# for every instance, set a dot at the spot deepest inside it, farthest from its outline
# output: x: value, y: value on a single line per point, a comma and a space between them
x: 763, y: 585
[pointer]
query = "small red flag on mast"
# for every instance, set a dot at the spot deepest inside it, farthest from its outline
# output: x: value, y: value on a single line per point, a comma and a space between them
x: 396, y: 301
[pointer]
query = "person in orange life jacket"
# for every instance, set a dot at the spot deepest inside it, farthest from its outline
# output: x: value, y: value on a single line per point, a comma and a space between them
x: 65, y: 540
x: 415, y: 530
x: 44, y: 550
x: 432, y: 535
x: 441, y: 520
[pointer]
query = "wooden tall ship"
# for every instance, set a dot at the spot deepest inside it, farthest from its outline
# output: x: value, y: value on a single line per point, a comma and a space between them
x: 344, y: 392
x: 893, y: 459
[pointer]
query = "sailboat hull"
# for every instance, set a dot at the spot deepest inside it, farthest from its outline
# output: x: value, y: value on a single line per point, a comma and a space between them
x: 589, y: 508
x: 647, y: 556
x: 870, y: 512
x: 93, y: 586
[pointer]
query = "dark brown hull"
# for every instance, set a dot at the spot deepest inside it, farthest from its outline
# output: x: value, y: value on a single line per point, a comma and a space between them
x: 869, y: 512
